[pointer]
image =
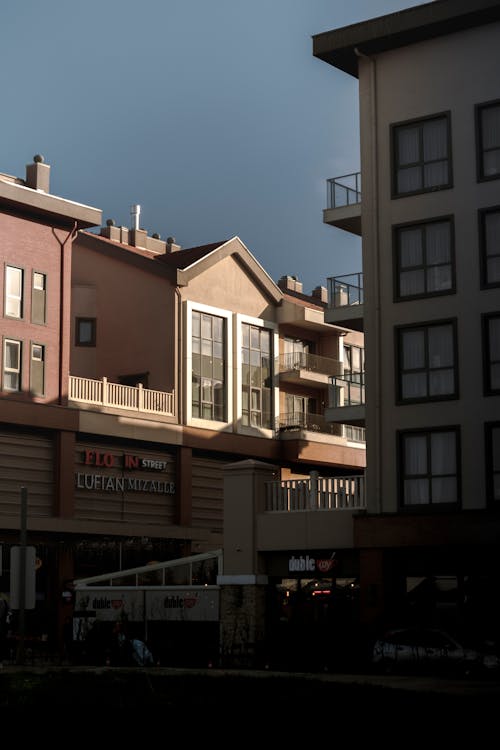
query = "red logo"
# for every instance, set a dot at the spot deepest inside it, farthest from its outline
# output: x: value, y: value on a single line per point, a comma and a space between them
x: 189, y: 602
x: 324, y: 566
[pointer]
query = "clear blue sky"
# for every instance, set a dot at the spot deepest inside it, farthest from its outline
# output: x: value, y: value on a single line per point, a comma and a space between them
x: 213, y: 115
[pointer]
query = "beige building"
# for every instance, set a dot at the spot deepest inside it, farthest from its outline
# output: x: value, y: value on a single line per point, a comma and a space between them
x: 427, y: 210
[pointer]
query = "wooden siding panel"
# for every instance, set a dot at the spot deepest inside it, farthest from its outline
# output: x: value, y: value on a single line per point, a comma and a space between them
x: 208, y: 494
x: 26, y: 461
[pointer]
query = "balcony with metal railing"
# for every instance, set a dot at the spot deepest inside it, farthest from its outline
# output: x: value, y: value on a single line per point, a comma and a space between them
x: 347, y: 399
x: 345, y: 301
x: 344, y: 202
x: 105, y: 394
x: 307, y: 369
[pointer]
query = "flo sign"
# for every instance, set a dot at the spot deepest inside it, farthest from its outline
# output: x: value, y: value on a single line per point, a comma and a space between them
x: 123, y: 482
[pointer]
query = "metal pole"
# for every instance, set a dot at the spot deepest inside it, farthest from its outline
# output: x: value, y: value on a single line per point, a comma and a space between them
x: 22, y: 573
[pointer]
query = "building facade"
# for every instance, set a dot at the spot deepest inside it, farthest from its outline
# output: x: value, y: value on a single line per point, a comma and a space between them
x: 428, y: 215
x: 134, y: 373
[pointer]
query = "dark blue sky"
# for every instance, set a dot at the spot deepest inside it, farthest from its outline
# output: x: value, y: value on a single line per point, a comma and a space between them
x: 213, y: 115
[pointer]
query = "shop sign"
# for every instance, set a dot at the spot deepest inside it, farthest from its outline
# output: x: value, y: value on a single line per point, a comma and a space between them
x: 309, y: 564
x: 110, y: 604
x: 126, y: 462
x: 183, y: 604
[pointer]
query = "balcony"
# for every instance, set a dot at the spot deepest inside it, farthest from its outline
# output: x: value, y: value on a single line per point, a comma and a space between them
x: 105, y: 394
x: 347, y: 399
x: 344, y: 203
x: 345, y: 301
x: 307, y: 369
x: 296, y: 421
x: 313, y: 513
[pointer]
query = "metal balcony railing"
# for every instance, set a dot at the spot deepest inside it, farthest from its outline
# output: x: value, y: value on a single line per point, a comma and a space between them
x: 134, y: 398
x: 344, y: 190
x: 348, y: 390
x: 316, y: 493
x: 344, y: 291
x: 297, y: 420
x: 311, y: 362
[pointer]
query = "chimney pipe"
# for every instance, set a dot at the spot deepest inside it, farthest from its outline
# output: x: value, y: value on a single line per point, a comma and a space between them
x: 135, y: 212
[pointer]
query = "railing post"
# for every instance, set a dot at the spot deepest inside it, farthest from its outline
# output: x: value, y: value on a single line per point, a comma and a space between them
x: 140, y: 397
x: 313, y: 490
x: 105, y: 391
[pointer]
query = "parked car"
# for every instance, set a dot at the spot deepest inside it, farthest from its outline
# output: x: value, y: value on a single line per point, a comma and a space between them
x: 429, y: 650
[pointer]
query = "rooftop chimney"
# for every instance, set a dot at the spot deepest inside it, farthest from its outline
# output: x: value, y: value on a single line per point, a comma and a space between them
x: 320, y: 293
x: 38, y: 174
x: 172, y: 247
x: 135, y: 212
x: 290, y: 284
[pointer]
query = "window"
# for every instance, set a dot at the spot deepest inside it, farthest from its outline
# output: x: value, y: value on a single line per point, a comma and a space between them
x: 38, y: 298
x: 424, y: 259
x: 12, y: 365
x: 422, y: 155
x: 428, y: 461
x: 493, y: 461
x: 85, y: 332
x: 354, y: 363
x: 256, y: 376
x: 13, y: 292
x: 37, y: 373
x: 427, y: 362
x: 296, y: 353
x: 489, y: 240
x: 209, y: 365
x: 488, y: 141
x: 491, y: 345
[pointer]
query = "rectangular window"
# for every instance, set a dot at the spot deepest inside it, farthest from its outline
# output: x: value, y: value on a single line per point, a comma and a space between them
x: 38, y: 298
x: 493, y: 461
x: 37, y: 373
x: 424, y: 259
x: 13, y: 292
x: 256, y: 376
x: 489, y: 241
x: 208, y: 341
x: 429, y: 461
x: 12, y: 365
x: 488, y: 140
x: 491, y: 345
x: 421, y: 155
x: 85, y: 332
x: 427, y: 362
x: 354, y: 363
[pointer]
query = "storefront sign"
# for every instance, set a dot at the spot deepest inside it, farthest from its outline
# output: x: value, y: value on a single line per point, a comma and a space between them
x: 307, y: 564
x: 172, y: 603
x: 183, y: 604
x: 123, y: 483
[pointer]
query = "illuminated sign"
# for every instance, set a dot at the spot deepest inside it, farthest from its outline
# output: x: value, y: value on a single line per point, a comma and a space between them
x: 307, y: 564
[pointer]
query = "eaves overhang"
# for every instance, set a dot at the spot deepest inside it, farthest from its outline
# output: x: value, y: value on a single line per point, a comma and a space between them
x: 46, y: 207
x: 341, y: 47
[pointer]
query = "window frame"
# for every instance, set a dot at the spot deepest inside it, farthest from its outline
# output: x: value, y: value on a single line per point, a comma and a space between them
x: 260, y: 389
x: 34, y: 290
x: 8, y: 267
x: 396, y: 231
x: 489, y: 427
x: 483, y: 265
x: 93, y: 338
x: 402, y: 475
x: 394, y: 128
x: 19, y: 370
x: 34, y: 344
x: 398, y: 359
x: 479, y: 108
x: 487, y: 362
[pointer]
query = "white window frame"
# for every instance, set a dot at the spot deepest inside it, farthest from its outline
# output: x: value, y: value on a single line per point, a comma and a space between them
x: 9, y: 370
x: 9, y: 298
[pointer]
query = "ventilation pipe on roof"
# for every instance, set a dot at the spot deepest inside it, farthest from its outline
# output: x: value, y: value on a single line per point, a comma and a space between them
x: 135, y: 212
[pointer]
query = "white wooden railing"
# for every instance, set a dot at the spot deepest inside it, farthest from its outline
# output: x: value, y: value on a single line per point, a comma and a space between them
x: 316, y: 493
x: 136, y: 398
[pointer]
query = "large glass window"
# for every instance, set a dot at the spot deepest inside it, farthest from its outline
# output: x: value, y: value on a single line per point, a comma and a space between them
x: 37, y: 374
x: 296, y: 353
x: 427, y: 362
x: 488, y: 140
x: 208, y: 342
x: 491, y: 343
x: 422, y: 155
x: 424, y: 259
x: 13, y: 292
x: 12, y: 365
x: 38, y: 298
x: 489, y: 226
x: 354, y: 363
x: 428, y: 461
x: 256, y: 376
x: 493, y: 461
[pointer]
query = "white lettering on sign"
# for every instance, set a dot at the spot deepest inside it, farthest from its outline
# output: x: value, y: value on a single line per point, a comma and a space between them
x: 310, y: 564
x: 122, y: 484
